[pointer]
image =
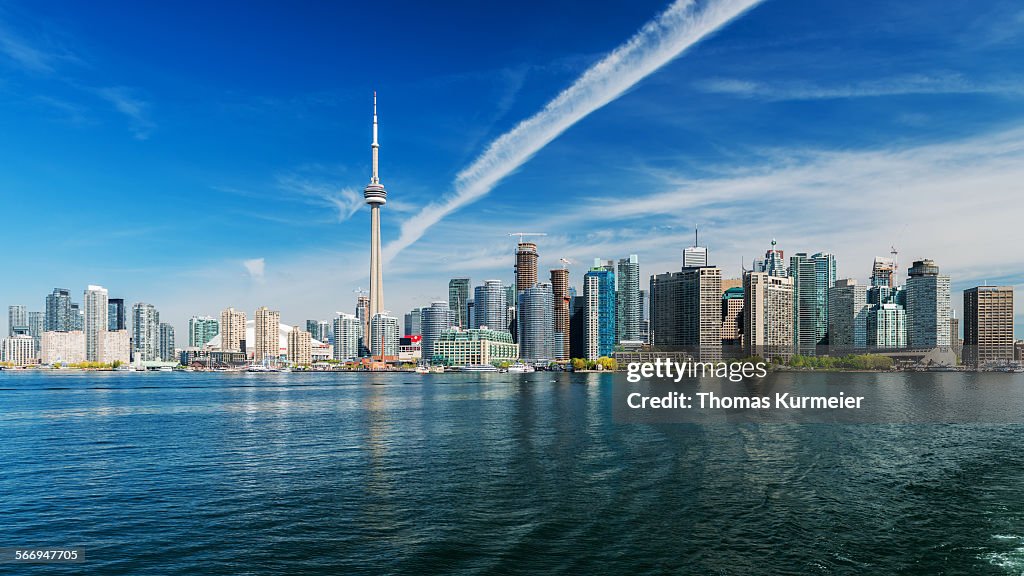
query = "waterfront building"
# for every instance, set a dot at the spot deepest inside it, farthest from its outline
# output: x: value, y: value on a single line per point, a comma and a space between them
x: 577, y: 327
x: 560, y: 297
x: 167, y: 353
x: 887, y: 326
x: 202, y: 329
x: 267, y: 346
x: 384, y: 328
x: 988, y: 325
x: 686, y: 311
x: 526, y: 265
x: 732, y: 316
x: 320, y: 330
x: 476, y: 346
x: 434, y: 320
x: 58, y: 311
x: 348, y: 330
x: 65, y: 347
x: 824, y: 279
x: 599, y: 321
x: 115, y: 346
x: 363, y: 313
x: 954, y: 334
x: 410, y: 349
x: 535, y: 315
x: 805, y: 301
x: 77, y: 317
x: 458, y: 301
x: 95, y: 300
x: 300, y: 347
x: 767, y: 315
x: 412, y: 322
x: 490, y: 308
x: 18, y: 350
x: 627, y: 299
x: 848, y: 316
x: 117, y: 318
x: 376, y: 197
x: 36, y: 324
x: 232, y: 331
x: 927, y: 306
x: 17, y: 317
x: 145, y: 332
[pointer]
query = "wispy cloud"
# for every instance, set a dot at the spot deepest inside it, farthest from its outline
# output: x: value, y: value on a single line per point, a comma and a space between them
x: 28, y: 56
x: 942, y: 83
x: 660, y: 41
x: 256, y: 268
x: 127, y: 103
x: 344, y: 201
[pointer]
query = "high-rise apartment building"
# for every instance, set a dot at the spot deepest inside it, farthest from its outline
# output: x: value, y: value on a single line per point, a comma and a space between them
x: 348, y: 330
x: 17, y: 317
x: 599, y: 321
x: 805, y: 302
x: 117, y: 315
x: 300, y: 347
x: 384, y: 328
x: 412, y: 322
x: 824, y: 278
x: 560, y: 298
x: 77, y: 317
x: 883, y: 272
x: 927, y: 306
x: 627, y: 299
x: 95, y: 300
x: 232, y: 331
x: 66, y: 347
x: 732, y: 317
x: 988, y: 325
x: 526, y: 265
x: 458, y: 301
x: 887, y: 326
x: 686, y: 311
x: 145, y: 332
x: 320, y: 330
x: 363, y: 313
x: 535, y: 315
x: 767, y: 315
x: 36, y: 325
x: 267, y: 335
x: 58, y: 311
x: 167, y: 343
x: 490, y: 307
x: 848, y: 316
x: 202, y: 329
x: 115, y: 347
x: 434, y: 320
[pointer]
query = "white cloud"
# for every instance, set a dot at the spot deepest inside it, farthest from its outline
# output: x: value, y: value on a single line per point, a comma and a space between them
x: 938, y: 83
x: 135, y: 109
x: 256, y: 268
x: 661, y: 40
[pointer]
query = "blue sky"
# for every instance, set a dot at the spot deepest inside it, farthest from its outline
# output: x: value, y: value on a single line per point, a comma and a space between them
x: 201, y: 155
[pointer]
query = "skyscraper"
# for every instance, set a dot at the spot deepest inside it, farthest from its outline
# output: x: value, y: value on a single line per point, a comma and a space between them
x: 883, y: 272
x: 767, y: 315
x: 363, y: 313
x: 347, y: 332
x: 458, y: 301
x: 36, y: 324
x: 526, y: 265
x: 887, y: 326
x: 412, y: 322
x: 627, y: 299
x: 732, y: 317
x: 848, y: 316
x: 824, y: 278
x: 319, y: 330
x: 77, y: 317
x: 17, y: 317
x: 490, y: 309
x: 145, y: 332
x: 928, y: 306
x: 773, y: 263
x: 267, y: 335
x: 535, y: 317
x: 686, y: 310
x: 599, y: 320
x: 232, y: 331
x: 202, y: 329
x: 805, y: 303
x: 58, y: 311
x: 434, y: 320
x: 95, y: 300
x: 560, y: 300
x: 116, y: 315
x: 384, y: 328
x: 376, y: 197
x: 988, y: 325
x: 167, y: 342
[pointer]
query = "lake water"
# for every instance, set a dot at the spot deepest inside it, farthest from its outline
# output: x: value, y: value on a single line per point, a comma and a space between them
x: 189, y: 473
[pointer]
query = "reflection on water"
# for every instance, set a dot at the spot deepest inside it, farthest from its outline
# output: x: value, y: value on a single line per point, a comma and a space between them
x: 488, y: 473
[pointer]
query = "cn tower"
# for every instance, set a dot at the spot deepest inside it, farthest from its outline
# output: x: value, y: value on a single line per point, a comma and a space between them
x: 376, y: 197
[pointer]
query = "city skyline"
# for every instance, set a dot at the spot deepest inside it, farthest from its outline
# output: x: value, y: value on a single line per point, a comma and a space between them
x: 906, y: 172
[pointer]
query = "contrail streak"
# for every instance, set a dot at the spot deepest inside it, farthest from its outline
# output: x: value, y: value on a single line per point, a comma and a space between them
x: 661, y: 40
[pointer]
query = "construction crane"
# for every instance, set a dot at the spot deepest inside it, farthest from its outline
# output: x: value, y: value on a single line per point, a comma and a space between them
x: 895, y: 254
x: 522, y: 234
x: 565, y: 262
x: 360, y: 291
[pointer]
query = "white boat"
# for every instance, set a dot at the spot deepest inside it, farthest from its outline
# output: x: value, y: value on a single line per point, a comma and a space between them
x: 165, y: 369
x: 520, y: 368
x: 422, y: 370
x: 257, y: 368
x: 437, y: 369
x: 479, y: 368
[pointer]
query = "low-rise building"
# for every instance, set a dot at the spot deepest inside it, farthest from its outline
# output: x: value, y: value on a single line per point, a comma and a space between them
x: 63, y: 347
x: 115, y: 346
x: 18, y: 350
x: 475, y: 347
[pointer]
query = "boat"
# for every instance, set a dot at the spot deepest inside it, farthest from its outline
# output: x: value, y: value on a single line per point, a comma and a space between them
x: 437, y: 369
x: 165, y: 369
x: 479, y: 368
x: 422, y: 370
x: 520, y: 368
x: 257, y: 368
